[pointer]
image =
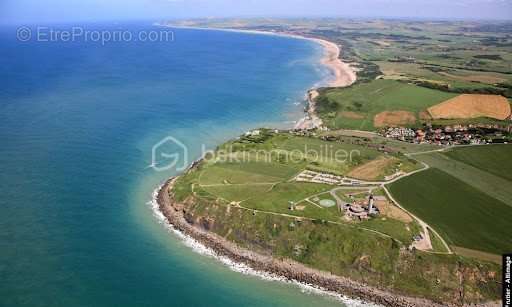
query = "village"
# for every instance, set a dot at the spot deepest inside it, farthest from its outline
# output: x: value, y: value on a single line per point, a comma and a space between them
x: 451, y: 135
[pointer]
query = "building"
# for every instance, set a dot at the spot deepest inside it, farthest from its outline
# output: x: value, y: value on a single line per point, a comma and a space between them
x: 356, y: 211
x: 361, y: 210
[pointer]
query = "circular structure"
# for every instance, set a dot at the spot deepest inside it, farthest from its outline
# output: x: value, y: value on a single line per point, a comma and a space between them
x: 327, y: 203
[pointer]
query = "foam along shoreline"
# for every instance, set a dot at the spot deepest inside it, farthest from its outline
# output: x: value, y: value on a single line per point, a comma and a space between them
x: 242, y: 268
x: 344, y: 76
x: 342, y: 73
x: 249, y: 262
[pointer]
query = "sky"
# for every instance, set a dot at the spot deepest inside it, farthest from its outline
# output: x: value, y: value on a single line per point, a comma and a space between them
x: 47, y: 11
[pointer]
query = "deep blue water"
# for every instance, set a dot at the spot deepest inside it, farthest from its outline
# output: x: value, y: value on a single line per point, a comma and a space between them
x: 77, y: 124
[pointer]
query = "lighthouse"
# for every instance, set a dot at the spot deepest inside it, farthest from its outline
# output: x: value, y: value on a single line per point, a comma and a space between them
x: 370, y: 204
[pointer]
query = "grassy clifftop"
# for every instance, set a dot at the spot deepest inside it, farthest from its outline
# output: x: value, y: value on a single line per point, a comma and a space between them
x: 351, y: 253
x: 248, y: 203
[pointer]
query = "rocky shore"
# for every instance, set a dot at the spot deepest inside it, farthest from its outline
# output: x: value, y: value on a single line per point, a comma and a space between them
x: 344, y: 75
x: 176, y: 214
x: 311, y: 119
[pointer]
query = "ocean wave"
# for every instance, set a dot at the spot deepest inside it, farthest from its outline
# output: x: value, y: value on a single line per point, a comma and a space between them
x: 243, y: 268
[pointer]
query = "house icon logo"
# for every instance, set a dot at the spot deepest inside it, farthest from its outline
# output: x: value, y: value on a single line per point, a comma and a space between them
x: 169, y: 153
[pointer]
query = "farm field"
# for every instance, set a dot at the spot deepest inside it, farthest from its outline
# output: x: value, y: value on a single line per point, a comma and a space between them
x: 268, y: 186
x: 472, y: 106
x: 496, y: 159
x: 373, y: 170
x: 488, y: 175
x: 258, y: 205
x: 470, y: 47
x: 464, y: 216
x: 370, y: 99
x: 405, y: 68
x: 349, y: 136
x: 307, y: 199
x: 287, y: 154
x: 457, y: 78
x: 468, y: 121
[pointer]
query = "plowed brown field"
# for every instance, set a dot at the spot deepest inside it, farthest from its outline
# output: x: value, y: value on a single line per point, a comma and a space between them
x: 394, y: 118
x: 372, y: 170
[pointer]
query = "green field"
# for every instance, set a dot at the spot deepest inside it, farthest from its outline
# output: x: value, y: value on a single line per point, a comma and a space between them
x: 248, y: 172
x: 463, y: 215
x: 437, y: 244
x: 486, y: 173
x: 347, y: 249
x: 454, y: 78
x: 495, y: 159
x: 277, y: 200
x: 349, y: 252
x: 265, y: 183
x: 369, y: 99
x: 282, y: 155
x: 465, y: 196
x: 351, y: 136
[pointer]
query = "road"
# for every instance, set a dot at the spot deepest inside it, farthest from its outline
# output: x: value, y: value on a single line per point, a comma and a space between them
x: 364, y: 185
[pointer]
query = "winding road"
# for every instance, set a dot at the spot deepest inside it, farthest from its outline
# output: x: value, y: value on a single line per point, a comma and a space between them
x: 425, y: 244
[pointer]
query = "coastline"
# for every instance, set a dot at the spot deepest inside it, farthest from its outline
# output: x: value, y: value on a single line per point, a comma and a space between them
x: 344, y: 75
x: 284, y: 270
x: 174, y: 213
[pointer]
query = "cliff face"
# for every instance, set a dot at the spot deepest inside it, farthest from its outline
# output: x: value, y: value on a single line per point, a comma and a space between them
x: 363, y: 262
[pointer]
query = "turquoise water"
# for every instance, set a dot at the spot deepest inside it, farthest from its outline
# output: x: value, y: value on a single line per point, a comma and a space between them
x: 77, y: 123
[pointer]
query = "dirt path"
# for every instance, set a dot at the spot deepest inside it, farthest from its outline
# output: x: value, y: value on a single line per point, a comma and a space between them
x: 423, y: 224
x: 312, y: 219
x: 237, y: 184
x: 425, y: 244
x: 289, y: 269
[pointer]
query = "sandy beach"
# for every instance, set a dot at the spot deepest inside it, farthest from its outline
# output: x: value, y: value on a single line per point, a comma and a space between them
x: 175, y: 214
x: 344, y: 76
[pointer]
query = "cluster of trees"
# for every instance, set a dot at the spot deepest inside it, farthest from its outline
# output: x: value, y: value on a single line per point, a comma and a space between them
x: 502, y: 89
x: 369, y: 71
x: 494, y: 57
x: 325, y: 105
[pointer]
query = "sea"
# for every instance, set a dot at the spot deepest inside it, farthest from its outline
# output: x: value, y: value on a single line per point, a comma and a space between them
x: 80, y: 124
